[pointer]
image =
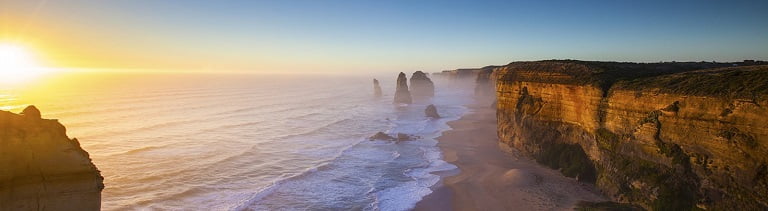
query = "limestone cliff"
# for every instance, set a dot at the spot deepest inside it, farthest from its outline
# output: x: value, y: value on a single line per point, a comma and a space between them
x: 421, y: 85
x: 376, y: 88
x: 402, y: 95
x: 42, y: 169
x: 465, y: 73
x: 665, y: 136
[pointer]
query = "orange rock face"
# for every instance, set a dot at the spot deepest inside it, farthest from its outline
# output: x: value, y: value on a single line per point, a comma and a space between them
x: 640, y: 136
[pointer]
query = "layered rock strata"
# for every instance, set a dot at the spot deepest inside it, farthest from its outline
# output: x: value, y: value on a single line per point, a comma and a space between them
x: 664, y: 136
x: 42, y: 169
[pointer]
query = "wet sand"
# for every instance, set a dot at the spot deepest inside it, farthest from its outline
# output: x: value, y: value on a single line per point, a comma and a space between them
x: 492, y: 178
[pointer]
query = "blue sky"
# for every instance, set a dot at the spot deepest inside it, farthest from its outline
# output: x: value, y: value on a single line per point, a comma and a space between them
x: 301, y: 36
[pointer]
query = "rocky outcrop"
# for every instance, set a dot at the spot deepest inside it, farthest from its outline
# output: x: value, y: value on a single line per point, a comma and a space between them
x: 664, y: 136
x: 376, y: 88
x: 42, y: 169
x: 382, y: 136
x: 431, y: 112
x: 399, y: 137
x: 421, y: 85
x: 402, y: 95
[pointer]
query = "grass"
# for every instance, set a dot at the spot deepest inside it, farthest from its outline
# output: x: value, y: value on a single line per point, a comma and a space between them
x: 687, y: 78
x: 606, y: 139
x: 749, y: 82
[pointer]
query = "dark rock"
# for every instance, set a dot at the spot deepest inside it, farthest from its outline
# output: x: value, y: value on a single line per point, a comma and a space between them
x: 376, y: 88
x: 382, y: 136
x: 421, y: 85
x: 406, y: 137
x: 402, y: 95
x: 431, y: 111
x: 400, y: 137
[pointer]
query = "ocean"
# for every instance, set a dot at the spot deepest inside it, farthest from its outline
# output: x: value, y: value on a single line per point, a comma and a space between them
x: 249, y: 142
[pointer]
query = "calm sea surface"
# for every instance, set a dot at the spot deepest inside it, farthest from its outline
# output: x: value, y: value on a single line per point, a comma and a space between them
x: 248, y: 142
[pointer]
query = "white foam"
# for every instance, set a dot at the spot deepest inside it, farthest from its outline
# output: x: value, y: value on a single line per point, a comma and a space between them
x: 403, y: 197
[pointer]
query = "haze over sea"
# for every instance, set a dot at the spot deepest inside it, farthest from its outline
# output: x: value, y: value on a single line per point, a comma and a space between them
x: 233, y: 142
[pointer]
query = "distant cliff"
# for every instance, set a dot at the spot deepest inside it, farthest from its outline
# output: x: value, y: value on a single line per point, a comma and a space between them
x: 666, y: 136
x: 42, y: 169
x: 464, y: 73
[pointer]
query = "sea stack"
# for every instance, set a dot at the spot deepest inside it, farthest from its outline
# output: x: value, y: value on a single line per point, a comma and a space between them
x: 431, y: 111
x: 402, y: 95
x: 376, y: 88
x: 421, y: 85
x: 41, y: 168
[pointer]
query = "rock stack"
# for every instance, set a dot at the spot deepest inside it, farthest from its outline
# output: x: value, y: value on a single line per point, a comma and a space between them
x: 376, y: 88
x: 431, y: 111
x: 402, y: 95
x: 485, y: 86
x: 41, y: 168
x: 421, y: 85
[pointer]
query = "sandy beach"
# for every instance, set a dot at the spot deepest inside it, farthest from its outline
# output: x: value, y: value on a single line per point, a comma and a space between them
x: 492, y: 178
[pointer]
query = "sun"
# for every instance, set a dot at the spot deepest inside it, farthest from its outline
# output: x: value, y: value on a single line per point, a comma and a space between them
x: 17, y: 64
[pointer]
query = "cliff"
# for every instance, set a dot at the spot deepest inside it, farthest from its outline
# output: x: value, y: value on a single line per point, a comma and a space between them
x: 421, y: 85
x: 665, y: 136
x: 402, y: 95
x: 42, y: 169
x: 464, y: 73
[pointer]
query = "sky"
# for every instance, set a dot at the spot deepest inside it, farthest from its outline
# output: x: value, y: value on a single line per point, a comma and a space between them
x: 289, y: 36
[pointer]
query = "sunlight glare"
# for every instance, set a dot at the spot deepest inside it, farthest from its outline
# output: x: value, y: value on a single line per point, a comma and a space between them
x: 17, y: 64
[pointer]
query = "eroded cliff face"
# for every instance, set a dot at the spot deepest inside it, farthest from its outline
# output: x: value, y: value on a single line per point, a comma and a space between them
x: 644, y: 134
x: 42, y: 169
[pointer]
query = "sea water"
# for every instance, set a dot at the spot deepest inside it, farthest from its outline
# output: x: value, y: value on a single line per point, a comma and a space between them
x: 249, y: 142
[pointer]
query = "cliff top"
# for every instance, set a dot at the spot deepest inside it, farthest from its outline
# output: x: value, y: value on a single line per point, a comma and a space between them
x: 594, y: 72
x: 605, y: 74
x: 746, y: 82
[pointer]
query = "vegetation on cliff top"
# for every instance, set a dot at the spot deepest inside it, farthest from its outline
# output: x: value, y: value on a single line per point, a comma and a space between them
x: 689, y: 78
x: 602, y: 74
x: 749, y: 82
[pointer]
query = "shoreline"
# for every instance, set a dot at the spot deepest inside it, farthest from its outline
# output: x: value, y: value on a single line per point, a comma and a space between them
x: 492, y: 178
